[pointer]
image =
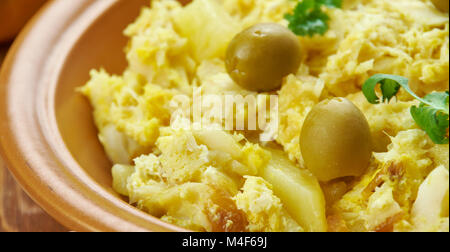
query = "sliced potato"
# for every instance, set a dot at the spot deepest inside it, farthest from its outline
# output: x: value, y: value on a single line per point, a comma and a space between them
x: 208, y: 27
x: 219, y: 140
x: 432, y: 199
x: 120, y: 174
x: 120, y: 148
x: 299, y: 191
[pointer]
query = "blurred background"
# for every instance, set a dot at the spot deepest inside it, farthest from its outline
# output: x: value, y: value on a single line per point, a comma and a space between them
x: 18, y: 213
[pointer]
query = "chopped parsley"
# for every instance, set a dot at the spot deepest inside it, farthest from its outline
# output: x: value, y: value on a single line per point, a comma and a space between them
x: 309, y: 17
x: 432, y: 115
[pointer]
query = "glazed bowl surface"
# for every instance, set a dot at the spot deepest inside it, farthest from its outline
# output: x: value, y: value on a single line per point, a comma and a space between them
x: 47, y: 134
x: 14, y: 14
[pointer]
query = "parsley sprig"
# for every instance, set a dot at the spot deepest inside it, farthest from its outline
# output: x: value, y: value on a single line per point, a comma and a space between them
x: 432, y: 115
x: 309, y: 18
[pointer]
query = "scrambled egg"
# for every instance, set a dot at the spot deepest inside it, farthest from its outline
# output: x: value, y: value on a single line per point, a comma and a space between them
x: 225, y: 181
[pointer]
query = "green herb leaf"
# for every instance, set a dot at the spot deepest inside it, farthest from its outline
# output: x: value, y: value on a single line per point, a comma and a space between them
x: 308, y: 17
x: 432, y: 115
x: 390, y: 85
x: 439, y: 101
x: 434, y: 122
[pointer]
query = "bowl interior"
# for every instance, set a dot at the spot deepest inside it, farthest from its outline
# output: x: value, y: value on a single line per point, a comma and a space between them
x: 101, y: 46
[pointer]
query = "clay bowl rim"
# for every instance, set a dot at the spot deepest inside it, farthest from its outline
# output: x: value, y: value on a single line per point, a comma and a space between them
x: 30, y: 142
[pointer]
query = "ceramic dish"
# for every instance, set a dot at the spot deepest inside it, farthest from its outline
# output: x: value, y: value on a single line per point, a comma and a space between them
x: 347, y: 164
x: 47, y: 135
x: 14, y: 14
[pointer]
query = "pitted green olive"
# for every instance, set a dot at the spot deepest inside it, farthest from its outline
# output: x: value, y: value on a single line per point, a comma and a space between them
x: 441, y: 5
x: 261, y: 56
x: 335, y: 140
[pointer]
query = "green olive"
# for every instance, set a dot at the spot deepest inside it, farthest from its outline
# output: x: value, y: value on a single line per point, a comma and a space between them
x: 261, y: 56
x: 441, y: 5
x: 335, y: 140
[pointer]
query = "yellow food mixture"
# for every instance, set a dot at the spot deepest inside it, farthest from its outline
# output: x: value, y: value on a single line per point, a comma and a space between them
x: 219, y: 180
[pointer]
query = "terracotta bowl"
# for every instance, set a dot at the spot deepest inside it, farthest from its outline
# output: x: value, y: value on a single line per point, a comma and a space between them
x: 14, y: 14
x: 47, y: 135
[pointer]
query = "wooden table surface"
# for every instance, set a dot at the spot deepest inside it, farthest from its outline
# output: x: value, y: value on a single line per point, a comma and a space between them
x: 18, y: 213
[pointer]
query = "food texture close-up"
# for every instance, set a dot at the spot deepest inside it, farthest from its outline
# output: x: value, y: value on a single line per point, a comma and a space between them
x: 356, y: 148
x: 230, y: 115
